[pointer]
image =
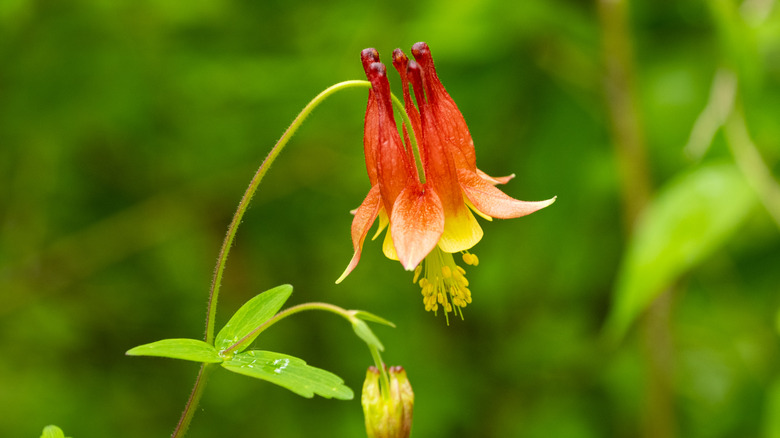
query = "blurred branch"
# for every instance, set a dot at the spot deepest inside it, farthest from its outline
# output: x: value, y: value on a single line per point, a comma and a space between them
x: 622, y: 104
x: 714, y: 115
x: 751, y: 164
x: 631, y: 157
x: 723, y: 111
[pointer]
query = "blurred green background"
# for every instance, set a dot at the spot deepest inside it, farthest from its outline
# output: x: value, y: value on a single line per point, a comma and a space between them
x: 130, y: 129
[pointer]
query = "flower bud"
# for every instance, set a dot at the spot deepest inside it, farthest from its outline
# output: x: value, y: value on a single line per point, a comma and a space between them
x: 388, y: 416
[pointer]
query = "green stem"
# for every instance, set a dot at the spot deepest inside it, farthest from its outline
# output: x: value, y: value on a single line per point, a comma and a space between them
x: 284, y: 314
x: 415, y: 147
x: 250, y: 191
x: 349, y: 315
x: 385, y: 382
x: 192, y: 402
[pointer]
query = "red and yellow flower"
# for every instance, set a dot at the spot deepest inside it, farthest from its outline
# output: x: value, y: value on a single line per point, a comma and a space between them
x: 429, y: 215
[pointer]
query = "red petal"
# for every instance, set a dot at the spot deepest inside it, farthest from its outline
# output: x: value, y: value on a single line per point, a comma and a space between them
x: 492, y: 201
x: 401, y: 62
x: 394, y: 167
x: 461, y: 230
x: 416, y: 224
x: 371, y: 123
x: 370, y: 137
x: 450, y: 120
x: 364, y: 218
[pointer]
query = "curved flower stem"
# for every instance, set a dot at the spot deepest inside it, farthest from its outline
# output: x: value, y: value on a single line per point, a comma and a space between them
x: 284, y: 314
x: 250, y: 191
x: 197, y: 390
x: 216, y: 281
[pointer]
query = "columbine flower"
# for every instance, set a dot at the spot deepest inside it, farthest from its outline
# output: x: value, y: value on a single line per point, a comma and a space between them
x: 388, y: 415
x: 431, y: 220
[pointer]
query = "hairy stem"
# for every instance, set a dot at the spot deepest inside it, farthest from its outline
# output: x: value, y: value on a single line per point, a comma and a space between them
x: 216, y: 281
x: 197, y: 390
x: 192, y: 402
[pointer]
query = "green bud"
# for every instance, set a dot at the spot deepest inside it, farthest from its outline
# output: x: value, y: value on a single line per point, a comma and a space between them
x: 388, y: 416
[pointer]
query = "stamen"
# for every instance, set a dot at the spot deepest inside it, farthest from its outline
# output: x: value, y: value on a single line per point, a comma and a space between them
x: 444, y: 283
x: 417, y: 272
x: 470, y: 259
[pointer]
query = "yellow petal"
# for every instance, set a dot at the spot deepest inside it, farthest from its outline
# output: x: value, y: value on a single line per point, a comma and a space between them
x: 475, y: 210
x: 388, y: 248
x: 383, y: 221
x: 461, y: 231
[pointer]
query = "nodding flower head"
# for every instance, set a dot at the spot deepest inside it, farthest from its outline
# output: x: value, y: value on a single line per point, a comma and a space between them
x: 429, y: 215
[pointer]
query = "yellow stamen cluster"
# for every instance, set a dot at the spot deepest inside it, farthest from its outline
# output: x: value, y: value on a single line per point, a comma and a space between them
x: 444, y: 283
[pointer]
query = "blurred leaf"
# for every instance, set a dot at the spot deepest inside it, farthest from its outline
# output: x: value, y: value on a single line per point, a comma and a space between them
x: 52, y: 432
x: 777, y: 321
x: 289, y: 372
x: 251, y: 315
x: 365, y: 333
x: 186, y: 349
x: 772, y: 411
x: 686, y: 222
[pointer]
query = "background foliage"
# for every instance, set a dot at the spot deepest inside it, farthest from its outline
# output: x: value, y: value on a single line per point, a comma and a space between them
x: 129, y: 130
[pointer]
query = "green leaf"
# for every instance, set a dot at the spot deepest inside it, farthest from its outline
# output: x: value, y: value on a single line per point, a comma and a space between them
x: 289, y: 372
x: 52, y: 432
x: 251, y: 315
x: 364, y: 332
x: 186, y: 349
x: 366, y: 316
x: 688, y: 220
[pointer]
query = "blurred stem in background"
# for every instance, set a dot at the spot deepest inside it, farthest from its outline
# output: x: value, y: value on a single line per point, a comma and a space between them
x: 724, y: 110
x: 628, y: 139
x: 751, y: 163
